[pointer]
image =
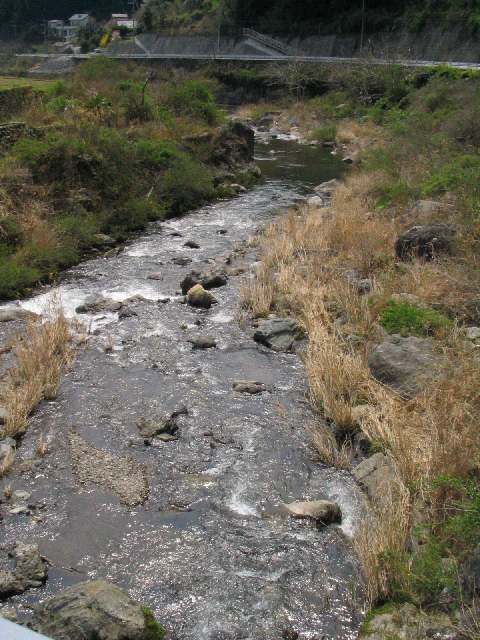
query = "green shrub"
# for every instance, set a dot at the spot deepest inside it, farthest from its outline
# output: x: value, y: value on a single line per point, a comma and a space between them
x: 79, y: 230
x: 156, y: 154
x: 137, y: 103
x: 100, y: 68
x: 16, y: 278
x: 134, y: 215
x: 186, y: 184
x: 194, y: 98
x: 407, y: 319
x: 10, y: 231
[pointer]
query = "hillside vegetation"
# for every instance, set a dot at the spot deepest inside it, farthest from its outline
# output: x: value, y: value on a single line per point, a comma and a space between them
x: 99, y: 157
x: 341, y: 270
x: 309, y: 16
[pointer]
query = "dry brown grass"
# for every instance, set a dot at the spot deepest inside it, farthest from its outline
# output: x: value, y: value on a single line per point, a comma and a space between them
x: 384, y: 531
x: 41, y: 355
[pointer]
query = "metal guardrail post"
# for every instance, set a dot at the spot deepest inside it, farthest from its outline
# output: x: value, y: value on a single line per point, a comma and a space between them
x: 11, y: 631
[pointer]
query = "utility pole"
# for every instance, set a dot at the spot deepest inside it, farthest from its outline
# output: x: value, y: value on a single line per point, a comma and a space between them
x: 219, y: 29
x: 362, y: 34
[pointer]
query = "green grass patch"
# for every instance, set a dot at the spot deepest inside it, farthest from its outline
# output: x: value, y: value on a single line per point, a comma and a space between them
x: 325, y: 133
x: 407, y: 319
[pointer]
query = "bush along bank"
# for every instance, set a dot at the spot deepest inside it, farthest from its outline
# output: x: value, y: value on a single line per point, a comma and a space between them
x: 100, y: 157
x: 382, y: 271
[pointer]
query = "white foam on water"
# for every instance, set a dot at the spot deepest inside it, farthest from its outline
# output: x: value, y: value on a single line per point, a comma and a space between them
x: 222, y: 318
x: 237, y: 504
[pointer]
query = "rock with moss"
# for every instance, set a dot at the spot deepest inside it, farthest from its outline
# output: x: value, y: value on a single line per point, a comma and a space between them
x: 407, y: 622
x: 197, y: 296
x: 93, y: 610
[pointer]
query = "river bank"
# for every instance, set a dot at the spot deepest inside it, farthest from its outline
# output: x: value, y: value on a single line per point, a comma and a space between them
x: 382, y: 271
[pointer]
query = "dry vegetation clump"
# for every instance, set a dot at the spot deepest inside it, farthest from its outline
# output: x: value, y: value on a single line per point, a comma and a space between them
x: 42, y: 353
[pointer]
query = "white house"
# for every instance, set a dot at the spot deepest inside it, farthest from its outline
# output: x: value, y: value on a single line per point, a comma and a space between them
x: 79, y: 20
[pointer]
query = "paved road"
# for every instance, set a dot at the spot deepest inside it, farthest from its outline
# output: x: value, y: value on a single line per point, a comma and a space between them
x: 252, y: 58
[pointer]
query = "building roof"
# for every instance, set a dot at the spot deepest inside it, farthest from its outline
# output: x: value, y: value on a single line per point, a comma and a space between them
x: 79, y: 16
x: 119, y: 15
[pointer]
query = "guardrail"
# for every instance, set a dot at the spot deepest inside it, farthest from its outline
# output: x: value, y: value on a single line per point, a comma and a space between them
x: 12, y: 631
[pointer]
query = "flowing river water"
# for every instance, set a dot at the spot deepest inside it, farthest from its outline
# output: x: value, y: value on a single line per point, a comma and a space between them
x: 207, y: 549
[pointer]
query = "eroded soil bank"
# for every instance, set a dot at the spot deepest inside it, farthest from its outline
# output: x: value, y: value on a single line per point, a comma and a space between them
x: 187, y: 520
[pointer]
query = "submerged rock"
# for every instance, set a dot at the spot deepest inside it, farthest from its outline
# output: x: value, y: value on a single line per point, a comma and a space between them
x: 323, y: 511
x: 191, y: 244
x: 203, y: 342
x: 95, y: 611
x: 426, y: 241
x: 248, y: 386
x: 10, y: 315
x: 123, y: 476
x: 405, y: 364
x: 151, y: 427
x: 181, y: 261
x: 98, y: 304
x: 279, y: 334
x: 30, y: 570
x: 197, y: 296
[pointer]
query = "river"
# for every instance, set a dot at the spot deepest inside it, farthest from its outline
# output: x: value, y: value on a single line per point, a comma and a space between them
x: 208, y: 550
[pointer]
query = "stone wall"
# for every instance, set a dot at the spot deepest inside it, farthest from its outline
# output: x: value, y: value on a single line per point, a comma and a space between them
x: 13, y: 100
x: 13, y: 131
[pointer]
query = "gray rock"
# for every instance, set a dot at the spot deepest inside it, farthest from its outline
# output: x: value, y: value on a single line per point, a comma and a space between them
x: 248, y: 386
x: 197, y: 296
x: 191, y: 244
x: 95, y: 611
x: 327, y: 189
x: 98, y: 304
x: 19, y: 496
x: 425, y: 241
x: 203, y: 342
x: 405, y: 364
x: 279, y: 334
x: 375, y: 475
x: 3, y: 415
x: 472, y: 333
x: 155, y: 276
x: 315, y: 201
x: 30, y: 570
x: 322, y: 511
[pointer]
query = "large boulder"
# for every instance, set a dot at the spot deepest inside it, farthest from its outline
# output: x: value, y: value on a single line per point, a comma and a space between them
x: 323, y: 511
x: 197, y: 296
x: 95, y: 611
x: 279, y: 334
x: 405, y: 364
x: 470, y: 573
x: 235, y: 145
x: 425, y: 241
x: 7, y: 454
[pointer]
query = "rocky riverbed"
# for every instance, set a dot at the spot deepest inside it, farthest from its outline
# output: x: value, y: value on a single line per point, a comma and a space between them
x: 176, y: 439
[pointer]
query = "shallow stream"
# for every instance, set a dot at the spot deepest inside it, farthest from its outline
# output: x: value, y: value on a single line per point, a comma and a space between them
x: 207, y: 550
